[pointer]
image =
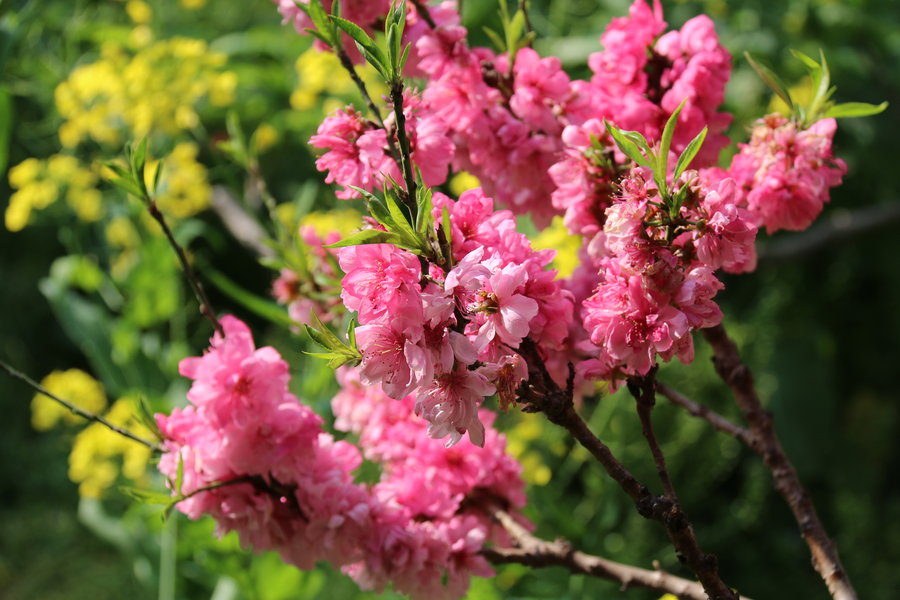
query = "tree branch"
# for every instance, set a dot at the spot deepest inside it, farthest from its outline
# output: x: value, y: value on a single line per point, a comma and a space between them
x: 643, y: 389
x: 825, y: 557
x: 77, y: 410
x: 422, y: 10
x: 541, y: 393
x: 535, y: 552
x: 707, y: 414
x: 840, y: 226
x: 206, y: 308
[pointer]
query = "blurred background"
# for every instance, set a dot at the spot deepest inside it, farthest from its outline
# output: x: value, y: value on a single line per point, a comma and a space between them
x: 95, y: 303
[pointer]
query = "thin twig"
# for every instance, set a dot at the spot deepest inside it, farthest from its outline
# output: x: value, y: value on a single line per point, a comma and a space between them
x: 405, y: 151
x: 422, y: 10
x: 206, y: 308
x: 345, y: 61
x: 79, y: 411
x: 541, y: 393
x: 644, y: 391
x: 535, y: 552
x: 732, y: 370
x: 707, y: 414
x: 840, y: 226
x: 523, y: 6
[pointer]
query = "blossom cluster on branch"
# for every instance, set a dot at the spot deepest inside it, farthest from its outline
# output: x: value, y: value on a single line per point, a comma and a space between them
x: 454, y: 305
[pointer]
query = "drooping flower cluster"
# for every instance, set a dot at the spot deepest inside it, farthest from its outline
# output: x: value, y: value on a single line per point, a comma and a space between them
x: 785, y: 172
x: 435, y: 494
x: 657, y: 279
x: 258, y: 462
x: 452, y: 337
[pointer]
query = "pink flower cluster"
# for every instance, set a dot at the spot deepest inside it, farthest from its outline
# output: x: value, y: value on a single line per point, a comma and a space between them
x: 358, y: 153
x: 433, y: 493
x: 244, y: 426
x: 258, y: 462
x: 657, y: 282
x: 451, y: 338
x: 785, y: 172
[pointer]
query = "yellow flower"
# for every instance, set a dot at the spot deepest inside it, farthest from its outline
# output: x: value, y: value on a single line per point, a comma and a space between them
x: 558, y: 238
x: 97, y: 452
x: 72, y: 385
x: 264, y: 138
x: 193, y: 4
x: 132, y: 94
x: 183, y: 188
x: 25, y: 172
x: 463, y: 181
x: 342, y: 220
x: 138, y: 11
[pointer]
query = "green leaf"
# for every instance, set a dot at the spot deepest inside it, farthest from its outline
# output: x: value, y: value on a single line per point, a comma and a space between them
x: 139, y: 158
x: 772, y: 80
x: 129, y: 185
x: 404, y: 58
x: 662, y: 160
x: 855, y: 109
x: 401, y: 217
x: 179, y: 475
x: 319, y: 17
x: 689, y: 153
x: 367, y: 236
x: 147, y: 497
x: 367, y: 46
x: 424, y: 207
x: 626, y: 145
x: 495, y: 39
x: 351, y: 333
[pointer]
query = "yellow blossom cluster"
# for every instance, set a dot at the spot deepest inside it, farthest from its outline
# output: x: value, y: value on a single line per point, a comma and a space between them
x: 73, y: 385
x: 98, y: 452
x: 40, y: 183
x: 557, y: 237
x: 158, y: 89
x: 321, y: 77
x: 183, y: 189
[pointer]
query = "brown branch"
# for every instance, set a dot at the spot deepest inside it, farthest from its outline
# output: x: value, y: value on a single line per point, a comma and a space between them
x: 541, y: 394
x: 840, y: 226
x: 422, y: 10
x: 707, y: 414
x: 825, y: 557
x: 644, y: 391
x: 535, y: 552
x: 206, y: 308
x: 77, y: 410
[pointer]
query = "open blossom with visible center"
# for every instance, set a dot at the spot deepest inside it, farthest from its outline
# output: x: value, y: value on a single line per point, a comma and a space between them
x: 450, y: 404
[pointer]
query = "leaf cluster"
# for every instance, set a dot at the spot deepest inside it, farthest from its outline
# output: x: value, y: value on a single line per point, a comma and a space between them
x: 635, y: 146
x: 821, y: 106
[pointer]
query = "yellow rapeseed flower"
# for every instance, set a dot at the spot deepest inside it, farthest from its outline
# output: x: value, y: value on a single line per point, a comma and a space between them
x: 139, y: 12
x: 343, y: 220
x: 193, y: 4
x: 72, y: 385
x: 98, y: 452
x: 557, y: 237
x: 39, y: 183
x: 132, y: 94
x: 463, y: 181
x: 183, y: 188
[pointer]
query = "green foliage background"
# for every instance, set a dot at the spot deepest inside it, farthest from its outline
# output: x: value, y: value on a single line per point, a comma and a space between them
x: 819, y: 330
